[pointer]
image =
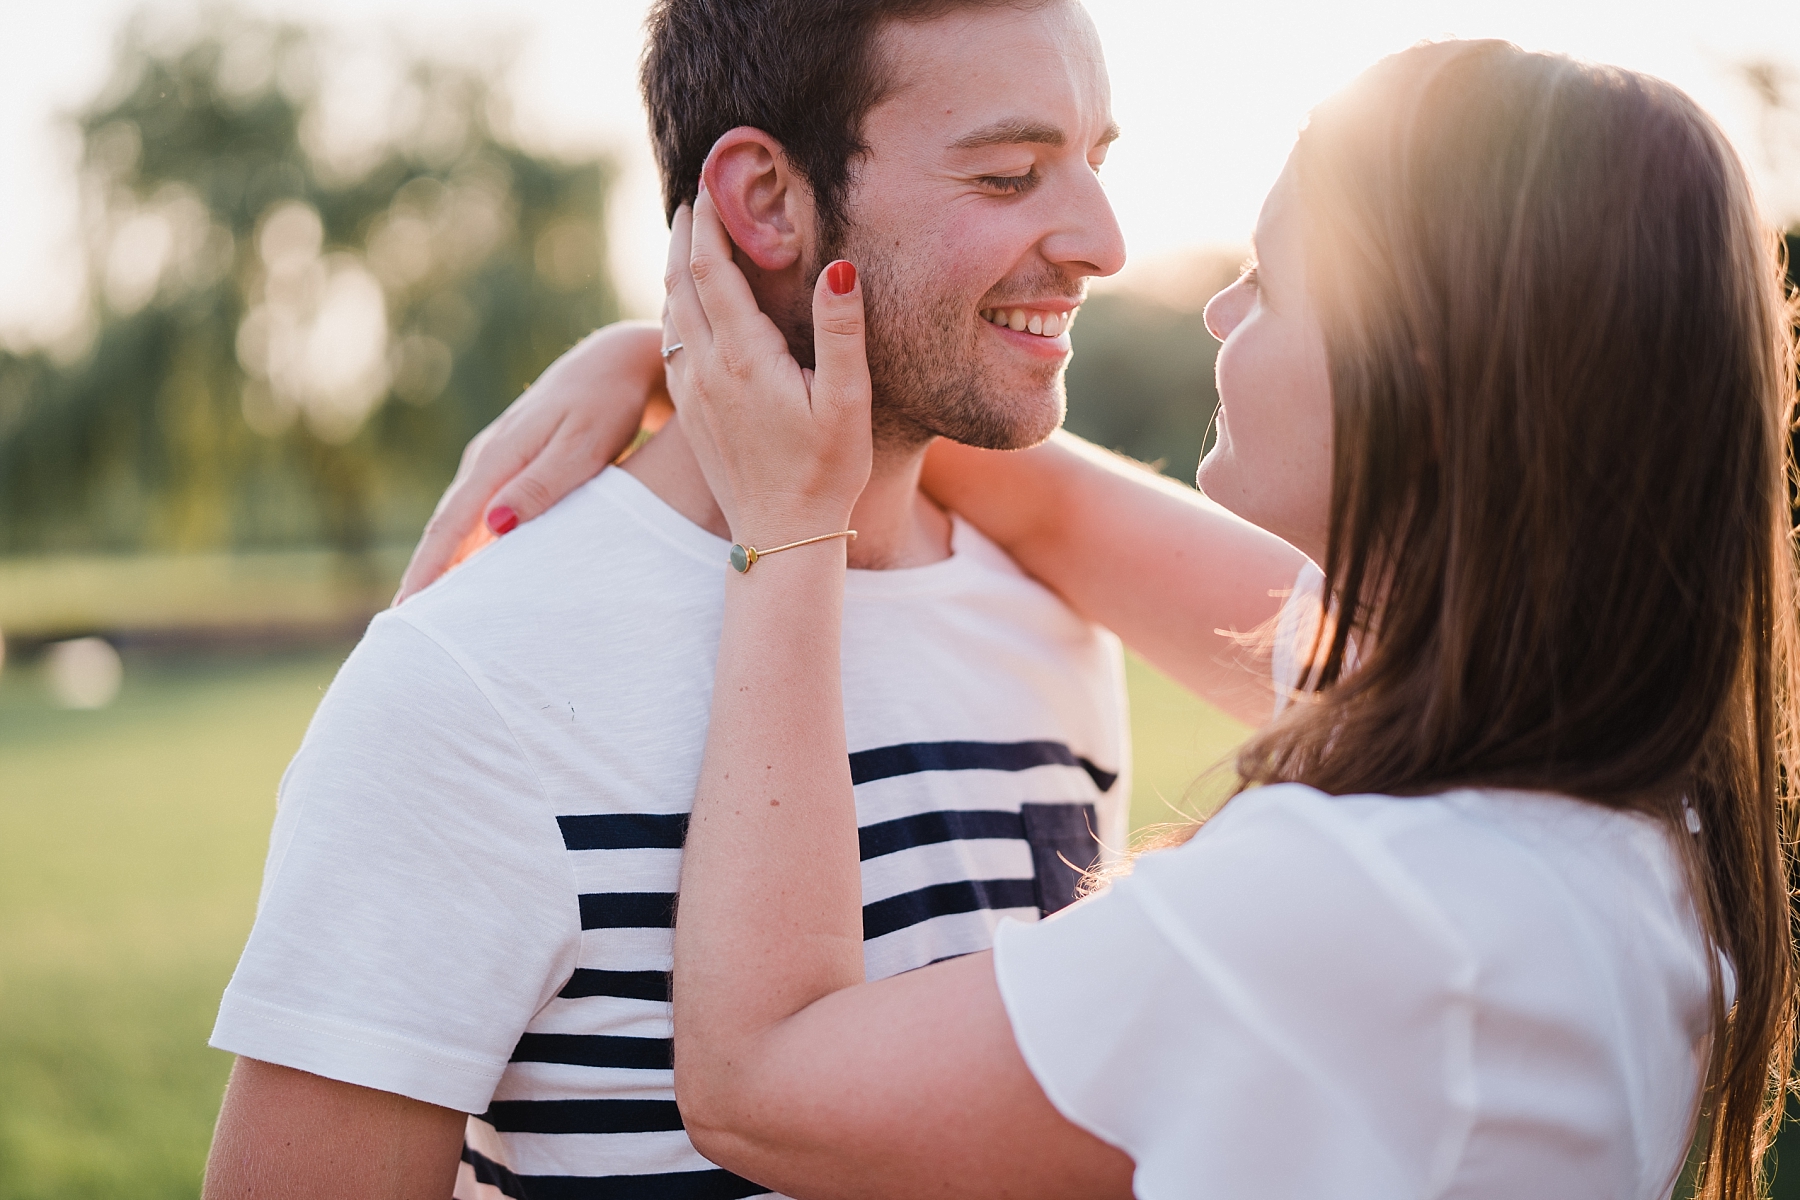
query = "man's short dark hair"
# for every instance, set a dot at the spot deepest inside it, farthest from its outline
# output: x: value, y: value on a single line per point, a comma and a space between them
x: 805, y: 72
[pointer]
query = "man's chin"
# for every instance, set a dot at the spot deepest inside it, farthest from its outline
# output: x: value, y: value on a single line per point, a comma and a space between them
x: 1020, y: 436
x: 931, y: 386
x: 1016, y: 426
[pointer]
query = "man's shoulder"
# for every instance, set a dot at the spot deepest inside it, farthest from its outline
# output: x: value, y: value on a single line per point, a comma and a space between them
x: 604, y: 560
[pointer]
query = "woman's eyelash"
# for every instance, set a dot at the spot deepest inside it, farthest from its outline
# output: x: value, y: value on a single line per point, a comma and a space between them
x: 1248, y: 278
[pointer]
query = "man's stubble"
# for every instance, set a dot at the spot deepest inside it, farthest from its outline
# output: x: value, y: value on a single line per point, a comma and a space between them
x: 925, y: 367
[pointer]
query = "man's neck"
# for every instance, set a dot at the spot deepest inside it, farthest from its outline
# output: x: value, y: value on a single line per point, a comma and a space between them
x: 896, y: 526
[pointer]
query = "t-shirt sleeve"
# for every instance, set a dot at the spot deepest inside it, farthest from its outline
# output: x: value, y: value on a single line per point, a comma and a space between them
x: 408, y: 925
x: 1272, y: 1008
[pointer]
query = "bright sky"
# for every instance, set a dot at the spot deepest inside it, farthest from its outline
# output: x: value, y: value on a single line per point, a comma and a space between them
x: 1209, y: 97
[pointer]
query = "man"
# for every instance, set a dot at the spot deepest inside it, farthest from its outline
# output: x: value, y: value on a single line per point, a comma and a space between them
x: 469, y: 892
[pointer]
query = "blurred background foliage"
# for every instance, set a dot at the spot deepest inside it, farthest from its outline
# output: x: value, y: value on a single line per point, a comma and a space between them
x: 1141, y: 378
x: 296, y: 327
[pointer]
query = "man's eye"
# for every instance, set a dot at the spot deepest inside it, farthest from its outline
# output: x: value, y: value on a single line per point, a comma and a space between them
x: 1011, y: 183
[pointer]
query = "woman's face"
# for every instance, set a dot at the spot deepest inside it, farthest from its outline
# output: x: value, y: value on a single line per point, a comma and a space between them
x: 1272, y: 462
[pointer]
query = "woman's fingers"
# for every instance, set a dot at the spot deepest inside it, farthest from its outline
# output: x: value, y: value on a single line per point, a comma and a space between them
x: 684, y: 320
x: 573, y: 455
x: 494, y: 455
x: 579, y: 415
x: 437, y: 550
x: 774, y: 455
x: 737, y: 323
x: 841, y: 375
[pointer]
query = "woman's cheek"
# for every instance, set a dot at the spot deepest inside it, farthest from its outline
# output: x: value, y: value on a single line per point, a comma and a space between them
x: 1305, y: 416
x: 1243, y: 390
x: 1229, y: 473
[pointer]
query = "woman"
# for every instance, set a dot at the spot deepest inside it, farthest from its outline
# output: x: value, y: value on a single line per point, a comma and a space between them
x: 1505, y: 896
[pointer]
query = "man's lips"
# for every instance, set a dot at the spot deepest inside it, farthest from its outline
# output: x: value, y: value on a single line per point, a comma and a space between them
x: 1047, y: 320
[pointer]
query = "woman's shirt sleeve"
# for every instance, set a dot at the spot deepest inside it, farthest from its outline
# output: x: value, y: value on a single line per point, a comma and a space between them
x: 1275, y: 1009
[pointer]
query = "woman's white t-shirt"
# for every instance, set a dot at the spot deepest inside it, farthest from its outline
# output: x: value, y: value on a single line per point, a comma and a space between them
x: 1485, y: 993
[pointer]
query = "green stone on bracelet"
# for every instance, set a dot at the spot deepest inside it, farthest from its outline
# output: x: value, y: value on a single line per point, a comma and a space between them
x: 744, y: 557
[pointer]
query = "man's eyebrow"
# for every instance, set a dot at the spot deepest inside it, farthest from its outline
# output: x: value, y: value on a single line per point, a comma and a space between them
x: 1017, y: 132
x: 1011, y: 132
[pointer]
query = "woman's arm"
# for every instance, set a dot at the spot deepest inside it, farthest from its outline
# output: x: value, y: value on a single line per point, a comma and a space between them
x: 1171, y: 572
x: 790, y: 1069
x: 1157, y: 563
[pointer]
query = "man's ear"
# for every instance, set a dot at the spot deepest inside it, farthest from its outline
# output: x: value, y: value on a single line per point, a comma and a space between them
x: 767, y: 208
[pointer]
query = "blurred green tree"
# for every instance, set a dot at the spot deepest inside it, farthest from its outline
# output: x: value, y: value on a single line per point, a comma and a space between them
x: 305, y: 298
x: 1141, y: 379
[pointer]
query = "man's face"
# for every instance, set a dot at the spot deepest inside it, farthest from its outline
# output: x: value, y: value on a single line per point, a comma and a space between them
x: 976, y: 219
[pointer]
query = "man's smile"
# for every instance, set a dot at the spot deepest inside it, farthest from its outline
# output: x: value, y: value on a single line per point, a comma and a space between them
x: 1039, y: 322
x: 1039, y: 328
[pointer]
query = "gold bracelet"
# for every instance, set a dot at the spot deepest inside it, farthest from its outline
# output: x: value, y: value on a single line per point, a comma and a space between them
x: 744, y: 557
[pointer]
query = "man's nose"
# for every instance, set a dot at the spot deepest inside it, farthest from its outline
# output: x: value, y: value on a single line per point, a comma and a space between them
x: 1088, y: 241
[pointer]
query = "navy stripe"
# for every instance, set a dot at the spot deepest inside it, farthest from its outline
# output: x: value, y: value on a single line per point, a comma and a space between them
x: 885, y: 762
x: 627, y: 985
x: 674, y: 1185
x: 493, y: 1174
x: 629, y: 831
x: 596, y: 1050
x: 624, y: 831
x: 925, y: 829
x: 967, y: 895
x: 1063, y: 848
x: 583, y: 1116
x: 656, y: 910
x: 628, y: 910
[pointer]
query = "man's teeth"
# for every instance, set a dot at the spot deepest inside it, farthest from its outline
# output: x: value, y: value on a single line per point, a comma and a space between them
x: 1041, y: 323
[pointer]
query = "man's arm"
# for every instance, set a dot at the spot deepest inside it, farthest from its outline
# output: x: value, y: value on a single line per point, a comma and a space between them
x: 285, y: 1133
x: 416, y: 911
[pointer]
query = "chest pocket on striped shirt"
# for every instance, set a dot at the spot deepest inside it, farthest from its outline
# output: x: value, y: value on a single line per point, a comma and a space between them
x: 1063, y: 846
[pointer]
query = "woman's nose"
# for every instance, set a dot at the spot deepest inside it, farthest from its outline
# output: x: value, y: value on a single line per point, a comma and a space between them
x: 1223, y: 312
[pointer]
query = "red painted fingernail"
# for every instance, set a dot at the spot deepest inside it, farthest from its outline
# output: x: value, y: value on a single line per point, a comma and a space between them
x: 502, y: 519
x: 840, y: 277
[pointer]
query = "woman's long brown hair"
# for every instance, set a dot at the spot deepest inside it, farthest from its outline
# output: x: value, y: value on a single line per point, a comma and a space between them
x: 1562, y: 375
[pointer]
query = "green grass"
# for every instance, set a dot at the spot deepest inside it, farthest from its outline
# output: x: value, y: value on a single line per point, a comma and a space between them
x: 1181, y: 750
x: 131, y: 844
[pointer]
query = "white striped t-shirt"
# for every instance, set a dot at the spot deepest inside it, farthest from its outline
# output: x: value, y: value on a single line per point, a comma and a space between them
x: 472, y: 872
